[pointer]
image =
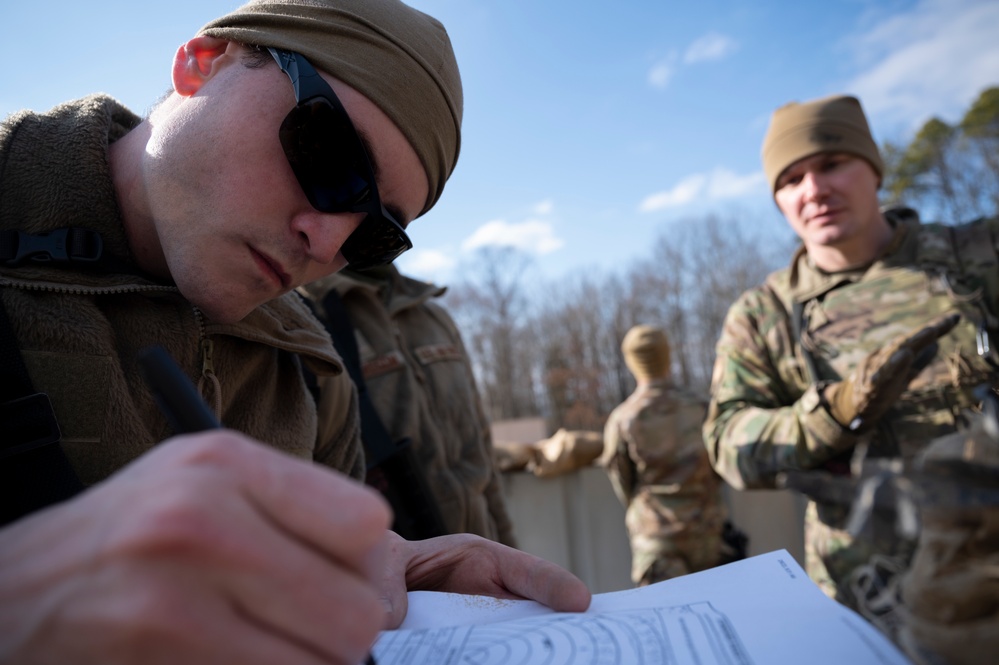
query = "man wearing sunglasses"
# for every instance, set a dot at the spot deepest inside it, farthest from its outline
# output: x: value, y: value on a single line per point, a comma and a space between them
x: 300, y: 136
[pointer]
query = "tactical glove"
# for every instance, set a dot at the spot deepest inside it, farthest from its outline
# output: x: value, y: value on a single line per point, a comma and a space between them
x: 859, y: 400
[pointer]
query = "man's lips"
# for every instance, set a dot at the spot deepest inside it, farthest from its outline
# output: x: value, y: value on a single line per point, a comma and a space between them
x: 823, y: 215
x: 271, y: 268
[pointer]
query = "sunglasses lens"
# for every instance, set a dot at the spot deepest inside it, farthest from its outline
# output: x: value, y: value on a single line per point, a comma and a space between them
x: 377, y: 241
x: 332, y: 167
x: 326, y: 156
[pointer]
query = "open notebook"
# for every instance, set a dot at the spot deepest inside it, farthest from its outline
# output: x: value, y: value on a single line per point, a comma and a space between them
x: 760, y: 611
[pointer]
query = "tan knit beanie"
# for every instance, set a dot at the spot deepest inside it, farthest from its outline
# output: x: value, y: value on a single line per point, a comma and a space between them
x: 399, y: 58
x: 646, y: 352
x: 829, y: 124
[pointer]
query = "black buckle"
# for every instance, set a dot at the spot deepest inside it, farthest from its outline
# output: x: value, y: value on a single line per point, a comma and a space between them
x: 67, y: 245
x: 29, y: 423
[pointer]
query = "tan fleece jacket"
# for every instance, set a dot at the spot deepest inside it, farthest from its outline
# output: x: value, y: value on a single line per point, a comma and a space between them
x: 79, y: 331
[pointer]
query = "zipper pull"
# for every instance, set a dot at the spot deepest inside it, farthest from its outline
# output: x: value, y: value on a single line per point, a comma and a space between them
x: 208, y: 374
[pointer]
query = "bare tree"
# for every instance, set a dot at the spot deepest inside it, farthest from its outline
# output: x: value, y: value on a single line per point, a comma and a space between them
x: 573, y: 359
x: 493, y: 311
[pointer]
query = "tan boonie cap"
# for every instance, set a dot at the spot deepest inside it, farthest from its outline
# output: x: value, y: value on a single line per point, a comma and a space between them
x: 646, y: 352
x: 399, y: 58
x: 830, y: 124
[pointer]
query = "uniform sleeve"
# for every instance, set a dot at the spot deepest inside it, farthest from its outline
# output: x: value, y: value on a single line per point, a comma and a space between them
x: 764, y: 417
x: 493, y: 491
x: 620, y: 468
x: 496, y: 500
x: 338, y: 444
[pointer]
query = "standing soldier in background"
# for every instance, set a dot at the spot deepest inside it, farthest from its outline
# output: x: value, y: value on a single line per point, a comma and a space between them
x: 418, y: 376
x: 675, y: 512
x: 864, y: 346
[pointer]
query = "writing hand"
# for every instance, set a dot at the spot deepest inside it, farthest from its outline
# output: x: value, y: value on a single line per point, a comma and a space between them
x: 212, y: 548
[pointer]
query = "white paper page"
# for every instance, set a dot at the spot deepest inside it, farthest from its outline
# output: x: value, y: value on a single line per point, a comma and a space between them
x: 760, y: 611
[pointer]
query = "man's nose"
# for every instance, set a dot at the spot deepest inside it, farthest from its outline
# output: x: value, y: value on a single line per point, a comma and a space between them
x: 323, y: 234
x: 814, y: 185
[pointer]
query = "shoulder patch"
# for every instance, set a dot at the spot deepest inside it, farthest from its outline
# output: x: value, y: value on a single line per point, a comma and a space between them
x: 433, y: 353
x: 390, y: 362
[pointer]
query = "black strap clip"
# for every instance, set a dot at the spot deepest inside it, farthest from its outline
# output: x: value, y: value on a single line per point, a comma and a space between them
x: 68, y: 245
x: 29, y: 423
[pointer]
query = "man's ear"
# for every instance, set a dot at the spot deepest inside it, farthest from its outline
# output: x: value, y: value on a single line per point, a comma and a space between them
x: 196, y: 62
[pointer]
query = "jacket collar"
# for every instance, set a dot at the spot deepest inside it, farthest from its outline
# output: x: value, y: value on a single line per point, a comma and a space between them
x: 808, y: 281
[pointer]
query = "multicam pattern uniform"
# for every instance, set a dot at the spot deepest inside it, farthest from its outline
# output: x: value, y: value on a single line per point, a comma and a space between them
x: 419, y: 377
x: 654, y: 455
x: 766, y: 414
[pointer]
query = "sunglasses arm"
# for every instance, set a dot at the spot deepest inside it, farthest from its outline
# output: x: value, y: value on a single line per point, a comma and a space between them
x: 299, y: 71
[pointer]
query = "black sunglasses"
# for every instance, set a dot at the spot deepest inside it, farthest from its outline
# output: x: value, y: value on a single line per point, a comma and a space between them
x: 333, y: 167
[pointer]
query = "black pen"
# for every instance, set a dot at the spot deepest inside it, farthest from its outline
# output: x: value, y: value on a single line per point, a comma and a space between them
x: 176, y: 396
x: 179, y: 400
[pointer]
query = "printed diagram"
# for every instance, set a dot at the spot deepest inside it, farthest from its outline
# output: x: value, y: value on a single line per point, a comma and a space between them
x: 692, y: 633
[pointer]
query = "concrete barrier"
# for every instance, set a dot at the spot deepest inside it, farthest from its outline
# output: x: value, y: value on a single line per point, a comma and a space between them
x: 576, y: 520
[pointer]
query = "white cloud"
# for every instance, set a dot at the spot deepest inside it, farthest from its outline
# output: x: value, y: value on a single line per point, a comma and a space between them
x: 545, y: 207
x: 683, y: 193
x: 533, y: 236
x: 725, y: 184
x: 426, y: 263
x: 717, y: 185
x: 931, y: 60
x: 662, y: 72
x: 712, y: 46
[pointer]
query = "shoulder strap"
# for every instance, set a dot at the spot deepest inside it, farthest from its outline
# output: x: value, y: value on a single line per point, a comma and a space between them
x: 392, y: 467
x: 965, y: 259
x: 794, y: 310
x: 34, y: 470
x: 798, y: 326
x: 378, y: 444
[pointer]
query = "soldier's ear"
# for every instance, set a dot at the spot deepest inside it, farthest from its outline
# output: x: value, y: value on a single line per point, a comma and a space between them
x: 196, y: 61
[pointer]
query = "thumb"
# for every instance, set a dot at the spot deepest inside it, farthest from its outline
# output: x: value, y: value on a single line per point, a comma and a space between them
x: 393, y: 591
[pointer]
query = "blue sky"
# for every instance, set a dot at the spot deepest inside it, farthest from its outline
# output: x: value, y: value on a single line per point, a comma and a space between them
x: 590, y: 127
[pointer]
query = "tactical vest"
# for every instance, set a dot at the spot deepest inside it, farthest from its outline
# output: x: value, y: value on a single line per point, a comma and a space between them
x: 955, y: 268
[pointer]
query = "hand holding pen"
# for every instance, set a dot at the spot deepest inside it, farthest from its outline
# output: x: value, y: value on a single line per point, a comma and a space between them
x: 187, y: 413
x: 176, y: 396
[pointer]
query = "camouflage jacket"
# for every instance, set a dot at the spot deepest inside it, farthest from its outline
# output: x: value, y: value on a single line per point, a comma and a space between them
x: 420, y: 380
x: 659, y: 469
x: 766, y: 414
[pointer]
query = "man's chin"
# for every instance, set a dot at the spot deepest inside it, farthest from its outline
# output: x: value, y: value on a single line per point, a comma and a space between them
x: 828, y: 236
x: 226, y: 312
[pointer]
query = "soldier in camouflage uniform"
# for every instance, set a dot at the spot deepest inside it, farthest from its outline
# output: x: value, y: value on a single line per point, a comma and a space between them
x: 660, y: 471
x: 867, y: 342
x: 420, y: 380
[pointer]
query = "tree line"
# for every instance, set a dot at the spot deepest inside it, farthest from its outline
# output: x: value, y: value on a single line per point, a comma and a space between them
x: 552, y: 349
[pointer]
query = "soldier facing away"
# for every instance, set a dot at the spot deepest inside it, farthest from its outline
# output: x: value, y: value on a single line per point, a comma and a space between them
x: 675, y: 512
x: 865, y: 344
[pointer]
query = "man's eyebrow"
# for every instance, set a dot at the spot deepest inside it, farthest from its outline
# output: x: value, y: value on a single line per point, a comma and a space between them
x: 376, y: 171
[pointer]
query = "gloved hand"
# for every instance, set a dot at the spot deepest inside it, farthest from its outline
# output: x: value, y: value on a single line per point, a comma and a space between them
x: 859, y: 400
